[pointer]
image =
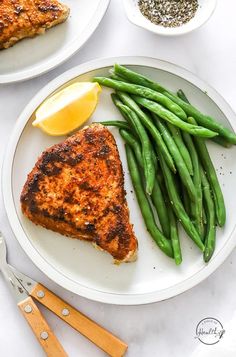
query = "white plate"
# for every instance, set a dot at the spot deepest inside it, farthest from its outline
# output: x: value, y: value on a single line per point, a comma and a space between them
x: 76, y: 265
x: 32, y: 57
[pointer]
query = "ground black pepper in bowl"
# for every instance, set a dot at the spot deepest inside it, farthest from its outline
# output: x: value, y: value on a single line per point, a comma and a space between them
x: 168, y: 13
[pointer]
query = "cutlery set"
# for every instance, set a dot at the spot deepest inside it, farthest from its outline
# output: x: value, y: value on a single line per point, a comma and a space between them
x: 26, y: 290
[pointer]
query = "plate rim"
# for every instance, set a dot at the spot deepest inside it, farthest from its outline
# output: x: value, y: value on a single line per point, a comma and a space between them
x: 37, y: 259
x: 47, y: 66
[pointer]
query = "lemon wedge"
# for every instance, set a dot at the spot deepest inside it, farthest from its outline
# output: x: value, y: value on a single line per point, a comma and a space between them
x: 68, y: 109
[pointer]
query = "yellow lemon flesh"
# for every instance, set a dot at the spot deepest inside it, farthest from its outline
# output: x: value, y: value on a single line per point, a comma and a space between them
x: 68, y: 109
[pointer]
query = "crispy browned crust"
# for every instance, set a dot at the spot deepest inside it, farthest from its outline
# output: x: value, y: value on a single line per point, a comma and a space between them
x: 27, y: 18
x: 77, y: 189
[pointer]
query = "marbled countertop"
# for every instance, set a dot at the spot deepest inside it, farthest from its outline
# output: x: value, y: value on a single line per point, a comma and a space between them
x: 163, y: 329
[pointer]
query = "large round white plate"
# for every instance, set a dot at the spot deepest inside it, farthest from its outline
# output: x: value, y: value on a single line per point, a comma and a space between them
x: 76, y: 265
x: 32, y: 57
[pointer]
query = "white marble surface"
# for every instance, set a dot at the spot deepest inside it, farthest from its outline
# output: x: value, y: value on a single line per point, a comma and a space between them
x: 163, y: 329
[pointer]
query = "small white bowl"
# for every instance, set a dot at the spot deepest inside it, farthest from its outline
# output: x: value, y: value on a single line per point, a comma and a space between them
x: 204, y: 12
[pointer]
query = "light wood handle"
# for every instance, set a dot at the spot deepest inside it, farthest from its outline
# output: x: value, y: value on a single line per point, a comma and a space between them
x: 95, y: 333
x: 42, y: 331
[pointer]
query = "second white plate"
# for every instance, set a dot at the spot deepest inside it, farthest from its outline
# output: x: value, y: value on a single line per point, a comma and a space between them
x: 34, y: 56
x: 76, y: 265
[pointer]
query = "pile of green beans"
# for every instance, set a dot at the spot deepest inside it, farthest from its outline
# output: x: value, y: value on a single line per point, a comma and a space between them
x: 204, y: 120
x: 170, y: 167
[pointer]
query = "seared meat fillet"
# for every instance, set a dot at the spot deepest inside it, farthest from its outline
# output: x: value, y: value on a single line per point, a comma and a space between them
x: 77, y: 189
x: 27, y: 18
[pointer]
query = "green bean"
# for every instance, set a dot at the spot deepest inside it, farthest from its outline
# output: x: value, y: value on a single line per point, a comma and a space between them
x: 163, y: 243
x: 132, y: 119
x: 172, y: 223
x: 177, y: 136
x: 212, y: 178
x: 204, y: 217
x: 115, y: 76
x: 178, y: 184
x: 116, y: 99
x: 157, y: 196
x: 160, y: 206
x: 160, y: 179
x: 147, y: 122
x: 178, y: 206
x: 172, y: 233
x: 137, y: 78
x: 190, y: 110
x: 217, y: 139
x: 210, y: 239
x: 180, y: 94
x: 196, y: 208
x: 222, y: 141
x: 173, y: 119
x: 143, y: 92
x: 154, y: 157
x: 179, y: 162
x: 134, y: 144
x: 118, y: 123
x: 149, y: 168
x: 161, y: 184
x: 204, y: 120
x: 174, y: 236
x: 119, y: 104
x: 186, y: 200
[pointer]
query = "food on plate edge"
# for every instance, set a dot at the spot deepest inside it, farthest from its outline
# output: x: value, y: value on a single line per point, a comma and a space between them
x: 28, y: 18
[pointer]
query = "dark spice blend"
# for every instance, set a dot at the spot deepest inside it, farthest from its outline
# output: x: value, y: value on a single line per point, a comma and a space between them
x: 168, y: 13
